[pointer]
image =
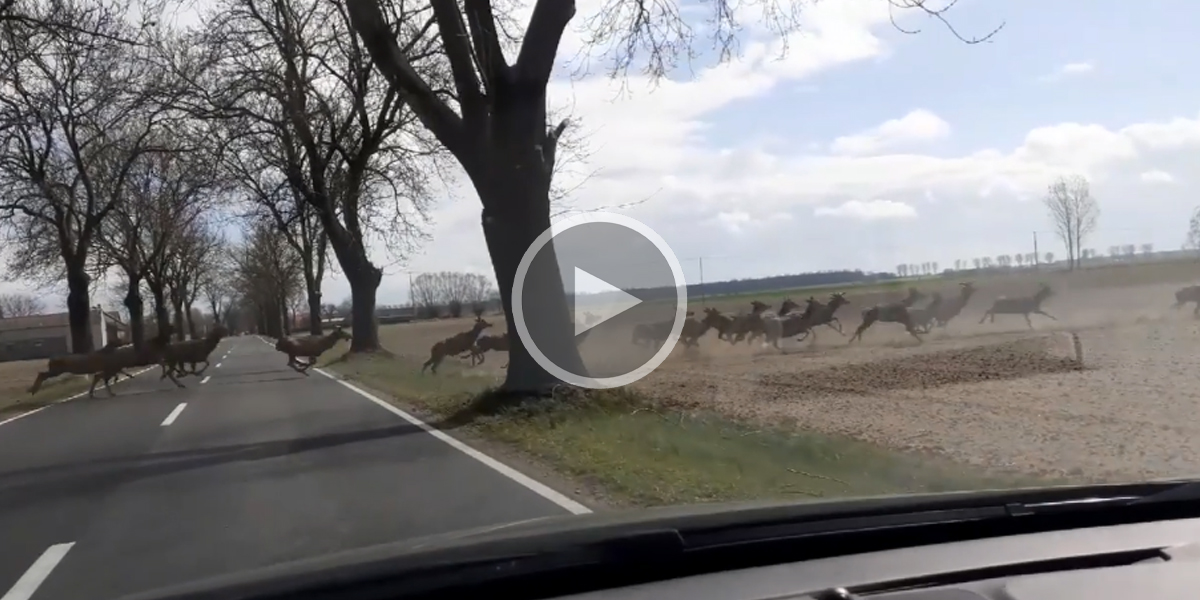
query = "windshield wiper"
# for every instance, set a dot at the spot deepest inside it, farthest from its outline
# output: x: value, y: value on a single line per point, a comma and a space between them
x: 1181, y: 491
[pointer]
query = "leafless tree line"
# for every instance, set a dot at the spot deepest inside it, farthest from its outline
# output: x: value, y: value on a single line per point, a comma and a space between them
x: 450, y: 291
x: 20, y: 305
x: 304, y: 127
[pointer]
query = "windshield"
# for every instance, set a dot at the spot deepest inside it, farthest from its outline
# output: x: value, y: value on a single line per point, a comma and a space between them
x: 283, y: 278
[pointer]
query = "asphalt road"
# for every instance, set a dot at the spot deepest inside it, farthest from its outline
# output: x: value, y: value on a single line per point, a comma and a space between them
x: 258, y: 465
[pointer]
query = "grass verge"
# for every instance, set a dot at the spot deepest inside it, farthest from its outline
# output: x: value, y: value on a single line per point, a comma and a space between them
x: 644, y: 453
x: 16, y: 377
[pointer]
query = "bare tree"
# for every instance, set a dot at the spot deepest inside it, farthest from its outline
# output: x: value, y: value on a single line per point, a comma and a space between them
x: 167, y: 194
x: 1074, y: 212
x: 267, y: 275
x: 425, y: 295
x: 292, y: 81
x: 259, y: 176
x: 499, y: 130
x: 20, y: 305
x: 78, y: 106
x: 216, y: 284
x: 193, y: 247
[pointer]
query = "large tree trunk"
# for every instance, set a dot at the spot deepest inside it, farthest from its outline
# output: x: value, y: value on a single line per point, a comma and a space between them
x: 364, y: 328
x: 137, y: 313
x: 79, y: 310
x: 314, y: 310
x: 177, y: 307
x: 508, y: 236
x: 364, y: 278
x: 284, y: 321
x: 191, y: 323
x: 514, y: 187
x: 162, y: 317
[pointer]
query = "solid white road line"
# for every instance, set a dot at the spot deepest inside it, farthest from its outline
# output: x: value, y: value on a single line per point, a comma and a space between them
x: 38, y: 572
x: 174, y: 414
x: 535, y: 486
x: 67, y: 399
x: 205, y: 380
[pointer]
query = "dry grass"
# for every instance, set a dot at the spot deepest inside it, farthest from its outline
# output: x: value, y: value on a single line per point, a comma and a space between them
x: 635, y: 450
x: 971, y: 406
x: 16, y: 377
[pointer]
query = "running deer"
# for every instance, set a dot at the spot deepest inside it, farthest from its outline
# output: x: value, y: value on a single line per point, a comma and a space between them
x: 310, y: 347
x: 951, y: 308
x: 1024, y: 306
x: 107, y: 363
x: 192, y: 352
x: 454, y: 345
x: 818, y: 314
x: 486, y: 343
x: 1188, y: 294
x: 896, y: 312
x: 923, y: 317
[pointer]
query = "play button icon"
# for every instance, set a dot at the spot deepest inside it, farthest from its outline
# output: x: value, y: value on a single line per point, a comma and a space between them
x: 619, y: 303
x: 625, y: 291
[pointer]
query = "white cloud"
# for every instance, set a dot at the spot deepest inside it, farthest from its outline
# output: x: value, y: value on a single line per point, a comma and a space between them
x: 1069, y: 70
x: 915, y: 127
x: 1156, y: 176
x: 868, y: 211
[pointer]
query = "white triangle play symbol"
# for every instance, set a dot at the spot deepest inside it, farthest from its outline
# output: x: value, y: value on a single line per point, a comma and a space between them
x: 615, y: 302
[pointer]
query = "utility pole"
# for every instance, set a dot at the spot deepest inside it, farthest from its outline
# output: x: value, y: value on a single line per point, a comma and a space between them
x: 411, y: 303
x: 1037, y: 258
x: 703, y: 298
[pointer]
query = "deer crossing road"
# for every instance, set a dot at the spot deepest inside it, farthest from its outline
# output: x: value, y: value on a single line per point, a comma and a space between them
x: 258, y: 465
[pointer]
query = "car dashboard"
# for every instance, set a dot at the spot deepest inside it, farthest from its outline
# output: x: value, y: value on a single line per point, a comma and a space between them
x: 1159, y: 560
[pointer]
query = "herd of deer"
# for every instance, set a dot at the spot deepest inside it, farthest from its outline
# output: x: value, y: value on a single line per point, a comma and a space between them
x: 774, y: 326
x: 113, y: 360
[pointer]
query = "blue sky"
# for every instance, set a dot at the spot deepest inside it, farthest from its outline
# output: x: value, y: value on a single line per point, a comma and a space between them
x: 865, y: 147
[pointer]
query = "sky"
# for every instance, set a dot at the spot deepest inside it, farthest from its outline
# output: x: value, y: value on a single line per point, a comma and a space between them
x: 863, y: 147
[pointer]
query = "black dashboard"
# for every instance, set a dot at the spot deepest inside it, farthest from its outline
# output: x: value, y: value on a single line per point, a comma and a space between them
x: 1159, y: 560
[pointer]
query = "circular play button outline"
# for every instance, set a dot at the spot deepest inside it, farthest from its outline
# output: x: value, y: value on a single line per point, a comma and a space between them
x: 518, y: 294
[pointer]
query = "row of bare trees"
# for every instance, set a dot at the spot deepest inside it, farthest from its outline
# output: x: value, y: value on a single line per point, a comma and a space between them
x: 309, y: 127
x: 451, y: 291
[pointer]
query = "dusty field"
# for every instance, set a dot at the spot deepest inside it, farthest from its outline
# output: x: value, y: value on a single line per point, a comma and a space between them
x: 993, y: 395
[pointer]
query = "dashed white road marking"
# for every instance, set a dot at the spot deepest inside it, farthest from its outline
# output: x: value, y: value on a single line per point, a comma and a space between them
x: 205, y: 380
x: 24, y: 588
x: 67, y: 399
x: 174, y: 414
x: 218, y: 365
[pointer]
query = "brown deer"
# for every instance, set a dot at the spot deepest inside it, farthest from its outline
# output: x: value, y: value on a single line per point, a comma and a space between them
x: 454, y: 345
x: 951, y: 308
x: 311, y: 348
x: 486, y: 343
x: 923, y: 317
x: 192, y: 352
x: 817, y: 314
x: 1188, y: 294
x: 1024, y: 306
x: 721, y: 322
x: 895, y: 312
x: 749, y: 325
x: 107, y: 363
